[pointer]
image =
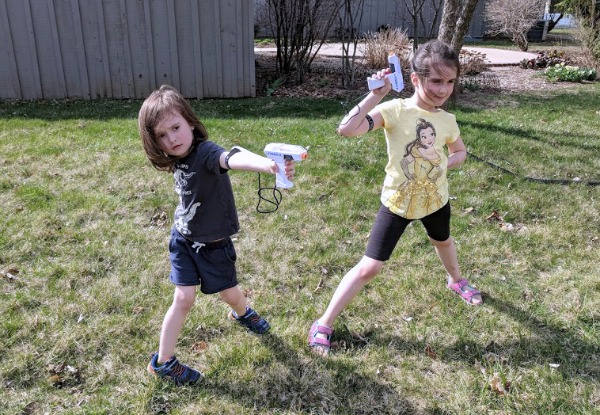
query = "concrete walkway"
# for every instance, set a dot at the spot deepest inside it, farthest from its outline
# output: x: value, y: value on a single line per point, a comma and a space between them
x: 494, y: 57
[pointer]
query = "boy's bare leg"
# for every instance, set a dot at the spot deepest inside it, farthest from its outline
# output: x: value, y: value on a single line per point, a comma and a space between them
x: 183, y: 301
x: 235, y: 298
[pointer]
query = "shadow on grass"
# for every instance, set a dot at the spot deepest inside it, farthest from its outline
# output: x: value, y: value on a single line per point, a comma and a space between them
x: 301, y: 383
x: 548, y: 343
x: 541, y: 137
x: 247, y: 108
x: 310, y: 385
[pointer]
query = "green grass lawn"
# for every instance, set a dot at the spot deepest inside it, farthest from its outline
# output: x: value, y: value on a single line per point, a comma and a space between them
x: 84, y: 267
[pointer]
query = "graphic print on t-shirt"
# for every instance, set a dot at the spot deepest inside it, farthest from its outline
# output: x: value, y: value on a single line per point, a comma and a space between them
x: 421, y: 166
x: 181, y: 180
x: 183, y: 216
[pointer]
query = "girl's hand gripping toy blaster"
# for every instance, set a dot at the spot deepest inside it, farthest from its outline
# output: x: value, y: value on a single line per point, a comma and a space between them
x: 395, y: 77
x: 279, y: 153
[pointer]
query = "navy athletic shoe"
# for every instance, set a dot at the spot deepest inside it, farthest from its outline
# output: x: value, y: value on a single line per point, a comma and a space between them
x: 172, y: 370
x: 251, y: 320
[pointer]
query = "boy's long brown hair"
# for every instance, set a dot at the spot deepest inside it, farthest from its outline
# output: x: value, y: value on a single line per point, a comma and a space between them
x: 165, y: 101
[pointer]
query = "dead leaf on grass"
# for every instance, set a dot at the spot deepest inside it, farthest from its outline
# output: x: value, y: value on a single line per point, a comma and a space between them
x: 10, y: 273
x: 358, y: 337
x: 64, y: 375
x: 200, y: 346
x: 497, y: 385
x: 429, y: 351
x: 494, y: 216
x: 159, y: 219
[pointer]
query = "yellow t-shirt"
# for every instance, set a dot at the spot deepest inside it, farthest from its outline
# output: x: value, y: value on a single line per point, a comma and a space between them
x: 415, y: 183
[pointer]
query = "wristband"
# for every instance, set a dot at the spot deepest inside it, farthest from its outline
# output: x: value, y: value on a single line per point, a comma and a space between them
x: 233, y: 151
x: 370, y: 121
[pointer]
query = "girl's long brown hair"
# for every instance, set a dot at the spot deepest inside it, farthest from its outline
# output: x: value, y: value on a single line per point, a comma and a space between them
x: 434, y: 54
x: 165, y: 101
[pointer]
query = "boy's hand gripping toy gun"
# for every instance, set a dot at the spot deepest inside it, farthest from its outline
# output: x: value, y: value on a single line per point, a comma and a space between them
x: 279, y: 153
x: 395, y: 77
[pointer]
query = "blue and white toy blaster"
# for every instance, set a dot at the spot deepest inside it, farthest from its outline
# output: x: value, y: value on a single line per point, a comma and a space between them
x: 395, y: 77
x: 279, y: 153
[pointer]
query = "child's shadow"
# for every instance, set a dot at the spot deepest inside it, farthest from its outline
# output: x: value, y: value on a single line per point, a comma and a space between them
x: 548, y: 343
x: 309, y: 385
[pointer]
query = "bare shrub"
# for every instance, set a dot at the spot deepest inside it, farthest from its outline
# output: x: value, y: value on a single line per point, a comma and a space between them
x: 513, y: 18
x: 299, y: 28
x: 589, y: 37
x: 471, y: 62
x: 379, y: 45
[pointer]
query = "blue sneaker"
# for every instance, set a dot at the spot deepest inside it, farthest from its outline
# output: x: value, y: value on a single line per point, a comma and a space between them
x: 251, y: 320
x: 173, y: 370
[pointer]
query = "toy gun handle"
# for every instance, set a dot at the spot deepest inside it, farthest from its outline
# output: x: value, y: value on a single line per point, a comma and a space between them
x: 375, y: 83
x: 395, y: 76
x: 280, y: 153
x: 281, y: 179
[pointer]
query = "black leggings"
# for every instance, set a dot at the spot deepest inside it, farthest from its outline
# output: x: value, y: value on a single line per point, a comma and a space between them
x: 389, y: 227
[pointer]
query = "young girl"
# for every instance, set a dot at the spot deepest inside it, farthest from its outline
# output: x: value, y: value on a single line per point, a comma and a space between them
x: 415, y: 186
x: 200, y: 249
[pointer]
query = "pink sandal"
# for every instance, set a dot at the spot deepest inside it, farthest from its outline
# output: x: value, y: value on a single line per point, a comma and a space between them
x: 465, y: 291
x: 317, y: 344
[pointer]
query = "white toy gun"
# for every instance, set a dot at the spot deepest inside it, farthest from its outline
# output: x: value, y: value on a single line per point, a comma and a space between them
x: 279, y: 153
x: 395, y: 77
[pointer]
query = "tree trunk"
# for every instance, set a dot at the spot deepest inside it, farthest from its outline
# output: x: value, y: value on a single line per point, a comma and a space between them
x: 456, y: 18
x: 449, y: 17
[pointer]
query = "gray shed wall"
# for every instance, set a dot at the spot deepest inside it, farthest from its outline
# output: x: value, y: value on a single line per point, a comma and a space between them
x: 395, y: 13
x: 126, y: 48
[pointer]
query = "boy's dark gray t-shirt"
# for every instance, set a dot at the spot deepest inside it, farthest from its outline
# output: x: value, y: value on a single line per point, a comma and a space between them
x: 206, y: 210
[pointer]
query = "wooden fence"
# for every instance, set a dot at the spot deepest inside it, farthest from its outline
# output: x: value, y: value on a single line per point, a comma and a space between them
x: 126, y: 48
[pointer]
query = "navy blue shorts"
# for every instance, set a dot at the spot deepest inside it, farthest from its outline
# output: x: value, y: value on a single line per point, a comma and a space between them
x: 211, y: 266
x: 389, y: 227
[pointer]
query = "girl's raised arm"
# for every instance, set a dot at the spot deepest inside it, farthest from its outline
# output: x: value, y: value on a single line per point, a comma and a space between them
x: 362, y: 119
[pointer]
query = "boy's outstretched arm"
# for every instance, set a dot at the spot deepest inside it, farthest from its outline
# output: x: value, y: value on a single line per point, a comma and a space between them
x: 249, y: 161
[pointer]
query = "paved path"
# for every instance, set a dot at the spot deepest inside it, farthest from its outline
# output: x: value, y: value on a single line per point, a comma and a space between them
x: 501, y: 57
x: 495, y: 57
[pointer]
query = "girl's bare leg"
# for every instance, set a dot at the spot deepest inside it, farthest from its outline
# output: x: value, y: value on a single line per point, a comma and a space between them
x: 446, y: 251
x: 352, y: 283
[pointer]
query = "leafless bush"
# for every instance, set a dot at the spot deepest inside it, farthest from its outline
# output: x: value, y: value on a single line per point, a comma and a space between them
x: 589, y: 37
x: 513, y: 18
x: 472, y: 63
x: 378, y: 46
x: 299, y: 28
